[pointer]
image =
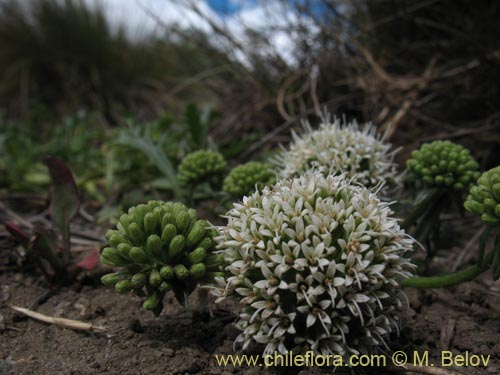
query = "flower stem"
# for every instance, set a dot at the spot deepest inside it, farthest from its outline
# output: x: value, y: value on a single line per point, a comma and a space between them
x: 456, y: 278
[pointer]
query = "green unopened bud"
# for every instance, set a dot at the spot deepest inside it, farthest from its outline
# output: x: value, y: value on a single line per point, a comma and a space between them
x: 155, y: 278
x: 196, y: 256
x: 138, y: 255
x: 473, y: 206
x: 111, y: 279
x: 182, y: 221
x: 112, y: 257
x: 124, y: 223
x: 164, y: 287
x: 116, y: 238
x: 196, y: 233
x: 153, y: 246
x: 169, y: 232
x: 176, y: 246
x: 150, y: 223
x: 206, y: 243
x: 197, y: 270
x: 138, y: 280
x: 136, y: 234
x: 181, y: 272
x: 214, y: 261
x: 151, y: 302
x: 124, y: 250
x: 168, y: 218
x: 490, y: 220
x: 123, y: 286
x: 167, y: 273
x: 193, y: 214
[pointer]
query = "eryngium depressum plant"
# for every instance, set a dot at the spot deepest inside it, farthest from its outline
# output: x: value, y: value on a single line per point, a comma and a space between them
x: 316, y: 263
x: 160, y: 246
x: 440, y: 172
x: 245, y: 178
x: 341, y: 147
x: 483, y: 200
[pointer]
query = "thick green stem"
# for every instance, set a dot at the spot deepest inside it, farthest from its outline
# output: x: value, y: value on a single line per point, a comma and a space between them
x: 456, y: 278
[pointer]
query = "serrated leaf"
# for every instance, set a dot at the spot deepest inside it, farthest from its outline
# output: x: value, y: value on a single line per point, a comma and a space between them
x: 65, y: 200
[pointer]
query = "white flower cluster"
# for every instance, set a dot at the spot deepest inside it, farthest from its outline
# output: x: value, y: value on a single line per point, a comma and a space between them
x: 317, y: 263
x: 339, y: 147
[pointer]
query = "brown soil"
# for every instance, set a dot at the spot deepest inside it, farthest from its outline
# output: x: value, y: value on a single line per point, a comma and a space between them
x: 464, y: 319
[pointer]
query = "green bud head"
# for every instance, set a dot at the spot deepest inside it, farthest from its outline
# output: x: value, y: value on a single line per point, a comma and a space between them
x: 440, y: 164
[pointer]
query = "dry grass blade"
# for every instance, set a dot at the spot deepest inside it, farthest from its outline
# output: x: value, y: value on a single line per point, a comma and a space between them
x: 62, y: 322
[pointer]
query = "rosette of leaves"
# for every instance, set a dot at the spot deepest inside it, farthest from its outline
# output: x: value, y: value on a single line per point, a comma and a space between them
x: 444, y: 164
x: 316, y: 263
x: 245, y: 178
x: 160, y: 246
x: 341, y: 147
x: 201, y: 165
x: 484, y: 197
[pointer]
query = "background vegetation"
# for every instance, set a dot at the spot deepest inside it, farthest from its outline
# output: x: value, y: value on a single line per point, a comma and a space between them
x: 73, y: 86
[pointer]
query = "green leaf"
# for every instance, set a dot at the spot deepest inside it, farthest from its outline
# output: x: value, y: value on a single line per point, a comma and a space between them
x: 198, y: 123
x: 65, y: 200
x: 42, y: 247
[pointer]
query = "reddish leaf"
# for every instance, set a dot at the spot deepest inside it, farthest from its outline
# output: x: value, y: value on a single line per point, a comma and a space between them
x: 90, y: 261
x: 18, y: 234
x: 65, y: 200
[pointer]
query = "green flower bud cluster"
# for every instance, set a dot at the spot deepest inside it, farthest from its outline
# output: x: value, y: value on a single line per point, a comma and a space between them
x: 444, y: 164
x: 243, y: 179
x: 160, y: 246
x: 484, y: 197
x: 200, y: 165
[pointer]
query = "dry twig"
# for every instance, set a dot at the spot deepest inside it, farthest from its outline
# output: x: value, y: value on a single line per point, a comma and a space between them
x: 62, y: 322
